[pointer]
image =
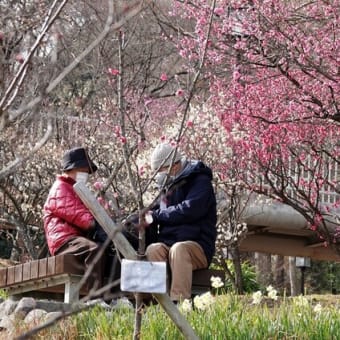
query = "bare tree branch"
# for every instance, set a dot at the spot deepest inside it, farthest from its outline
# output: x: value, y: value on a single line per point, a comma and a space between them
x: 20, y: 76
x: 19, y: 159
x: 107, y: 29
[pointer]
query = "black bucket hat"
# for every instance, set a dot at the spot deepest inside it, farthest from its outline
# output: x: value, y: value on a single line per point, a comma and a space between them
x: 77, y: 158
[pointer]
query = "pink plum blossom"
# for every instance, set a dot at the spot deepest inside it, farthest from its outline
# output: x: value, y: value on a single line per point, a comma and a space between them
x: 179, y: 93
x: 163, y: 77
x: 113, y: 71
x: 98, y: 185
x: 219, y: 11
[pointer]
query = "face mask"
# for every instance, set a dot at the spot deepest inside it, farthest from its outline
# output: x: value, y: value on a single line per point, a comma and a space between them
x: 162, y: 178
x: 82, y: 177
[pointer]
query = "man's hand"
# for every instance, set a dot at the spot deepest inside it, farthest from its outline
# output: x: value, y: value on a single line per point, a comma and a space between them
x: 148, y: 217
x: 139, y: 220
x: 145, y: 219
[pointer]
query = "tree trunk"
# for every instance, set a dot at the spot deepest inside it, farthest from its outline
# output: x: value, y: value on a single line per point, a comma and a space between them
x: 279, y: 272
x: 294, y: 286
x: 15, y: 254
x: 238, y: 270
x: 263, y: 267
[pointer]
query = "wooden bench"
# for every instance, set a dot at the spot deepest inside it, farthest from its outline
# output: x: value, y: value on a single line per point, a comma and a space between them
x: 52, y: 274
x: 57, y: 274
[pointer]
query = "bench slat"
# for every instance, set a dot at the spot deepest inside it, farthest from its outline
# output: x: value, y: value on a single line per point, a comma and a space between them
x: 51, y: 265
x: 3, y: 277
x: 42, y: 267
x: 18, y: 273
x: 59, y: 265
x: 26, y: 271
x: 34, y: 269
x: 10, y: 275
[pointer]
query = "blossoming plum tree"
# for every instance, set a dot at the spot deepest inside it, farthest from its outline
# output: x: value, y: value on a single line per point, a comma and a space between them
x: 272, y: 75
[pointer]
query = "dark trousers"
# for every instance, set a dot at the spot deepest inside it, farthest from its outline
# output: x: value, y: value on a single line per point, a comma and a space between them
x: 85, y: 252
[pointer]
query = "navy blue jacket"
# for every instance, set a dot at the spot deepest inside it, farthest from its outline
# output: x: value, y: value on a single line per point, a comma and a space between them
x: 190, y: 213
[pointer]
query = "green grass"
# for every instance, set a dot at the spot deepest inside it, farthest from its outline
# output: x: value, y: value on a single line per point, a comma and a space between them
x: 3, y: 294
x: 228, y: 317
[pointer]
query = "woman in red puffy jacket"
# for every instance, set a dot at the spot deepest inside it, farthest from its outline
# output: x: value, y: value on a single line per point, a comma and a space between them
x: 67, y: 221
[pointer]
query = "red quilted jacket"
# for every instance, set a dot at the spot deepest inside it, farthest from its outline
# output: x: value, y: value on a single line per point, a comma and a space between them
x: 65, y: 215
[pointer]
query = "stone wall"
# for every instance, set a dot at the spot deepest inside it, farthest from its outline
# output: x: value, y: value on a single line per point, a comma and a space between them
x: 28, y: 310
x: 33, y: 312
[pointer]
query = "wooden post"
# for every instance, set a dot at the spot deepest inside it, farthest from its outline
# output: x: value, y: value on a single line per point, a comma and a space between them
x: 128, y: 252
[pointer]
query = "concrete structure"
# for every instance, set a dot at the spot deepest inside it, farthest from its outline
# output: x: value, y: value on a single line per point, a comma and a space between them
x: 279, y: 229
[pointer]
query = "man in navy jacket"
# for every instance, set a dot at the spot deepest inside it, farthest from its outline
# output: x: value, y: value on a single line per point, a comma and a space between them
x: 184, y: 218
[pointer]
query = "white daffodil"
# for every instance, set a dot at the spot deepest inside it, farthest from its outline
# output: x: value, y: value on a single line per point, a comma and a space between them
x: 186, y: 306
x: 202, y: 302
x: 198, y: 302
x: 301, y: 301
x: 272, y: 293
x: 269, y: 288
x: 216, y: 282
x: 317, y: 308
x: 257, y: 297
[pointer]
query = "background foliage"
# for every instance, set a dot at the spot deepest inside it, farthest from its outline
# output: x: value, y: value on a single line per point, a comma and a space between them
x: 251, y: 89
